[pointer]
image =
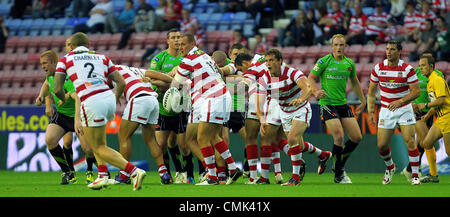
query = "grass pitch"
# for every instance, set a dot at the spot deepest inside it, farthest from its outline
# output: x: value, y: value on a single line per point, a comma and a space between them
x: 46, y: 184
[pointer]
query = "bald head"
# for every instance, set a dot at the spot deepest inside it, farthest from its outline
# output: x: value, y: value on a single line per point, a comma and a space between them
x: 220, y: 58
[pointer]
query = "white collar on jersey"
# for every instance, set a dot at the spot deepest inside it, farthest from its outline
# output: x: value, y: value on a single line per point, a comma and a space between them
x: 193, y: 50
x: 80, y: 48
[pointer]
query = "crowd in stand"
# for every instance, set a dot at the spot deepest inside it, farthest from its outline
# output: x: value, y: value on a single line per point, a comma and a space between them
x: 423, y: 22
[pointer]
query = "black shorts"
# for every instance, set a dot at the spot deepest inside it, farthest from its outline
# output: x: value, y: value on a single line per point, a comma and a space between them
x: 176, y: 123
x: 328, y: 112
x: 64, y: 121
x: 236, y: 121
x: 429, y: 121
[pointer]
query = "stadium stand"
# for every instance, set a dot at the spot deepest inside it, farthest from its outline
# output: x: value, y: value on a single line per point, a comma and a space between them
x: 21, y: 76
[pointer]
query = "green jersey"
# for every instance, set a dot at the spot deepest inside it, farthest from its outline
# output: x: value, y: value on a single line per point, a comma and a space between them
x: 164, y: 62
x: 333, y: 76
x: 423, y: 81
x: 68, y: 108
x: 238, y: 100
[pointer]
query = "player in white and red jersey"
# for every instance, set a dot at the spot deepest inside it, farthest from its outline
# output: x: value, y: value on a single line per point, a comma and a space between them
x: 290, y: 88
x: 142, y: 109
x: 377, y: 22
x: 425, y: 14
x: 398, y: 87
x: 211, y: 105
x: 89, y: 72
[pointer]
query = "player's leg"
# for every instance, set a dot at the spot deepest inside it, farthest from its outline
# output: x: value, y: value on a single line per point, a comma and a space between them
x: 276, y: 156
x: 90, y: 158
x: 433, y: 135
x: 384, y: 137
x: 162, y: 137
x: 127, y: 128
x: 205, y: 136
x: 421, y: 131
x: 252, y: 129
x: 413, y: 152
x: 53, y: 134
x: 353, y: 131
x: 192, y: 143
x: 187, y: 156
x: 295, y: 140
x: 148, y: 134
x: 267, y: 140
x: 68, y: 154
x: 337, y: 131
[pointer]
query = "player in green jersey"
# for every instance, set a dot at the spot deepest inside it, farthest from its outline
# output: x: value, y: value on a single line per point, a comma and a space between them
x: 424, y: 120
x: 62, y: 123
x: 171, y: 126
x: 334, y: 71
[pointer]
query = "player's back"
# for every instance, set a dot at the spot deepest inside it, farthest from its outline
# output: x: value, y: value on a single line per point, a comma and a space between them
x: 88, y: 70
x: 134, y: 85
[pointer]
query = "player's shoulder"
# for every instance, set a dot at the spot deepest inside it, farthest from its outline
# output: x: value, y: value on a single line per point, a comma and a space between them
x: 349, y: 60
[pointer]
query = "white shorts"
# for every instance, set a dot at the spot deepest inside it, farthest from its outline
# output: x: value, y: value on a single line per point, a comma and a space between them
x: 143, y: 110
x: 388, y: 119
x: 302, y: 114
x: 98, y: 109
x: 195, y: 109
x: 272, y: 112
x: 251, y: 110
x: 216, y: 110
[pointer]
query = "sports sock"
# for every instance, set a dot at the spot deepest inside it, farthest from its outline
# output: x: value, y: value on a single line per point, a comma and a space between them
x: 414, y: 161
x: 162, y: 169
x: 58, y: 155
x: 276, y: 159
x: 387, y: 157
x: 431, y: 157
x: 124, y: 175
x: 208, y: 155
x: 296, y: 156
x: 245, y: 164
x: 221, y: 172
x: 102, y: 171
x: 284, y: 146
x: 130, y: 169
x: 252, y: 154
x: 68, y: 154
x: 166, y: 160
x: 337, y: 156
x: 90, y: 161
x: 188, y: 165
x: 266, y: 155
x: 310, y: 148
x: 176, y: 158
x: 222, y: 148
x: 349, y: 147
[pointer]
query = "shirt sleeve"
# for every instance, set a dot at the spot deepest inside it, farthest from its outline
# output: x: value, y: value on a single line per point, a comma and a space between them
x: 184, y: 69
x: 319, y: 67
x: 61, y: 66
x: 297, y: 75
x: 439, y: 86
x: 412, y: 76
x: 374, y: 75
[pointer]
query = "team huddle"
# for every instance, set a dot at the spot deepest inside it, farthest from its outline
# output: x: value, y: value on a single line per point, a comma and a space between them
x: 187, y: 103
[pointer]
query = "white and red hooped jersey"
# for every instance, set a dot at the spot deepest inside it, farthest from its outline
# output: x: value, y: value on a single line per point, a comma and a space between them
x: 382, y: 18
x: 256, y: 70
x: 394, y: 81
x: 411, y: 21
x: 88, y: 71
x: 424, y: 16
x: 134, y: 85
x: 284, y: 88
x: 201, y: 69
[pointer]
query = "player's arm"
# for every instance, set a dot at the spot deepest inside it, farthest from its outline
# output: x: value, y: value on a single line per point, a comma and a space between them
x: 413, y: 94
x: 305, y: 85
x: 158, y: 76
x: 356, y: 87
x: 42, y: 93
x: 48, y: 106
x: 371, y: 98
x: 78, y: 127
x: 313, y: 77
x: 59, y: 86
x: 120, y: 84
x: 233, y: 79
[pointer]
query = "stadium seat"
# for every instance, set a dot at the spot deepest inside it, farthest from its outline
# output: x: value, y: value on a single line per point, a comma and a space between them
x: 225, y: 36
x: 312, y: 54
x: 367, y: 52
x: 115, y: 56
x: 58, y: 43
x: 127, y: 57
x: 151, y: 39
x: 407, y: 48
x: 137, y: 40
x: 224, y: 25
x: 11, y: 44
x: 93, y: 40
x: 354, y: 51
x: 442, y: 66
x: 324, y: 50
x: 103, y: 42
x: 270, y: 38
x: 288, y: 53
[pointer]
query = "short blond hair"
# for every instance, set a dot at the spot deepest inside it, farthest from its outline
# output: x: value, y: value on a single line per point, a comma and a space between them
x: 338, y: 36
x: 53, y: 56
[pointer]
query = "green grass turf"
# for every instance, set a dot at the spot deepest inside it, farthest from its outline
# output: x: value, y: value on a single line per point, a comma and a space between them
x: 46, y: 184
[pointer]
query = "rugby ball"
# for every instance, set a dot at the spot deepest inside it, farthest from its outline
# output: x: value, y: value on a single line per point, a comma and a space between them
x: 172, y: 100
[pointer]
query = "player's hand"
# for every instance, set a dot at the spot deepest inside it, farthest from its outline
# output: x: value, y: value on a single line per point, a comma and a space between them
x: 372, y: 118
x: 262, y: 128
x: 360, y: 109
x: 319, y: 94
x: 39, y: 100
x: 394, y: 105
x: 118, y: 101
x: 420, y: 106
x: 296, y: 102
x: 49, y: 111
x: 415, y: 107
x: 79, y: 128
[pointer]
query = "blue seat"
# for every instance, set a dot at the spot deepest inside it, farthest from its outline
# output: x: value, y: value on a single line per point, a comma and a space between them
x: 240, y: 16
x: 224, y: 25
x: 227, y: 17
x: 48, y: 24
x: 203, y: 18
x: 211, y: 26
x: 215, y: 17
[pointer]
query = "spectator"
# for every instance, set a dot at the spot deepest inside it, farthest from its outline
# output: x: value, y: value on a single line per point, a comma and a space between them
x: 171, y: 16
x: 425, y: 14
x: 48, y: 8
x: 19, y: 8
x: 238, y: 38
x: 125, y: 20
x: 411, y: 23
x: 332, y: 21
x: 160, y: 9
x: 425, y: 42
x: 318, y: 34
x: 261, y: 46
x: 346, y: 21
x: 442, y: 46
x: 189, y: 24
x: 3, y: 34
x: 438, y: 6
x: 387, y: 34
x: 377, y: 22
x: 358, y: 26
x: 81, y: 8
x: 96, y: 21
x: 397, y: 9
x: 299, y: 31
x: 37, y: 8
x: 268, y: 10
x: 146, y: 18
